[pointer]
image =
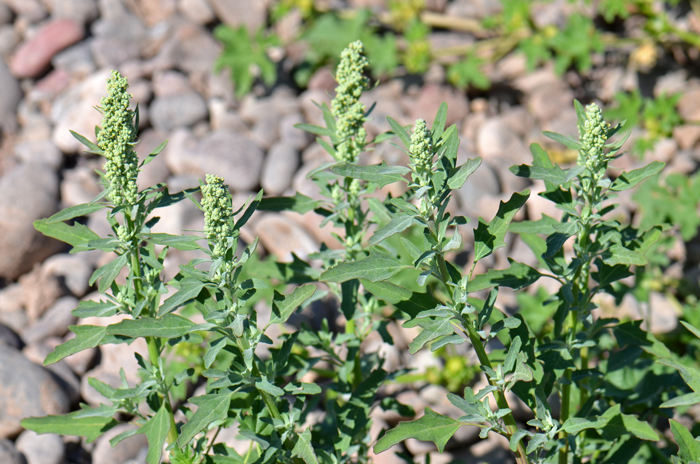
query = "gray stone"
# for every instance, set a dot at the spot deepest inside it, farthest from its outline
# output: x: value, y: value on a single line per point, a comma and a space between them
x: 475, y: 9
x: 82, y: 11
x: 32, y: 10
x: 6, y: 14
x: 74, y: 271
x: 62, y: 372
x: 278, y: 171
x: 688, y: 108
x: 117, y: 40
x: 27, y: 193
x: 429, y: 100
x: 190, y: 48
x: 197, y: 11
x: 157, y: 170
x: 221, y: 116
x: 79, y: 185
x: 8, y: 337
x: 168, y: 83
x: 47, y: 448
x: 126, y: 450
x: 76, y: 60
x: 281, y: 237
x: 8, y: 39
x: 173, y: 111
x: 42, y: 152
x: 232, y: 156
x: 281, y: 102
x: 26, y: 390
x: 9, y: 98
x: 496, y: 139
x: 236, y: 13
x: 264, y: 132
x: 54, y: 322
x: 547, y: 101
x: 8, y: 453
x: 290, y: 135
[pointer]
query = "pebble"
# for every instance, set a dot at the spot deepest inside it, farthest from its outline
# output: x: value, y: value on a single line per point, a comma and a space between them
x: 264, y: 132
x: 117, y: 40
x: 8, y: 453
x: 62, y: 372
x: 34, y: 56
x: 8, y: 39
x: 42, y: 152
x: 31, y: 10
x: 687, y: 106
x: 81, y: 11
x: 546, y: 101
x: 686, y: 136
x: 282, y: 237
x: 180, y: 110
x: 9, y: 338
x: 9, y: 98
x: 197, y: 11
x: 496, y: 139
x: 27, y: 193
x: 278, y: 170
x: 26, y: 390
x: 191, y: 48
x: 125, y: 451
x: 429, y: 100
x: 292, y: 136
x: 76, y: 60
x: 74, y: 271
x: 54, y: 322
x: 47, y: 448
x: 237, y: 13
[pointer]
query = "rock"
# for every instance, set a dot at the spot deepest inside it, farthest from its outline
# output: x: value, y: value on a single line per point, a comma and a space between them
x: 278, y: 170
x: 39, y: 292
x: 236, y: 13
x: 26, y: 390
x: 47, y: 448
x: 27, y: 193
x: 281, y: 102
x: 282, y: 237
x: 80, y: 11
x: 546, y: 101
x: 74, y: 271
x: 476, y: 9
x: 232, y: 156
x: 31, y: 10
x: 323, y: 79
x: 73, y: 110
x: 496, y: 139
x: 197, y: 11
x: 126, y: 450
x: 484, y: 182
x: 6, y: 14
x: 8, y: 39
x: 191, y: 48
x: 54, y: 322
x: 79, y: 185
x: 8, y: 453
x: 62, y: 372
x: 225, y: 118
x: 429, y: 100
x: 264, y: 132
x: 9, y: 338
x: 42, y: 152
x: 118, y: 38
x: 34, y: 56
x: 686, y: 136
x: 157, y: 170
x: 687, y: 106
x: 156, y: 11
x: 9, y: 98
x: 173, y: 111
x: 290, y: 135
x: 671, y: 83
x: 76, y: 60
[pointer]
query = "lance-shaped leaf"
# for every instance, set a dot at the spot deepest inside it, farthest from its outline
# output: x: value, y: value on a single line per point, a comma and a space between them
x: 457, y: 180
x: 284, y: 305
x: 156, y: 430
x: 189, y: 289
x: 618, y: 254
x: 108, y: 273
x: 74, y: 235
x: 168, y: 326
x: 298, y: 203
x: 381, y: 174
x: 304, y: 449
x: 179, y: 242
x: 398, y: 223
x: 391, y: 293
x: 555, y: 175
x: 611, y: 425
x: 376, y: 267
x: 517, y: 276
x: 75, y: 211
x: 429, y: 427
x: 211, y: 408
x: 86, y: 336
x: 400, y: 131
x: 489, y: 237
x: 627, y: 180
x: 563, y: 139
x: 688, y: 447
x: 88, y: 427
x: 91, y: 147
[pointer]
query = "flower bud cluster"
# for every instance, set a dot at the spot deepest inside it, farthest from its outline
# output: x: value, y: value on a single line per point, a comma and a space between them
x: 594, y: 138
x: 218, y: 213
x: 346, y: 106
x: 117, y: 138
x: 421, y: 154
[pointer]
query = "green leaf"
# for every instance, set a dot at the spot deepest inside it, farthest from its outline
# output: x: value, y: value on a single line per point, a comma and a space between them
x: 438, y: 126
x: 318, y: 130
x: 563, y: 139
x: 304, y: 449
x: 376, y: 267
x: 574, y: 425
x: 489, y: 237
x: 302, y: 388
x: 211, y: 408
x: 688, y: 447
x: 298, y: 203
x: 457, y: 180
x: 621, y: 424
x: 90, y: 308
x: 168, y: 326
x: 609, y: 274
x: 429, y: 427
x: 156, y: 430
x: 554, y: 175
x: 74, y: 235
x: 152, y: 155
x: 433, y: 328
x: 400, y: 131
x: 621, y: 255
x: 86, y: 336
x: 75, y: 211
x: 627, y: 180
x: 89, y: 427
x: 381, y: 175
x: 391, y: 293
x: 266, y: 386
x: 517, y: 276
x: 692, y: 329
x: 91, y: 147
x: 283, y: 306
x: 689, y: 399
x: 179, y: 242
x: 689, y: 374
x: 189, y: 289
x: 541, y: 226
x: 108, y: 273
x: 398, y: 223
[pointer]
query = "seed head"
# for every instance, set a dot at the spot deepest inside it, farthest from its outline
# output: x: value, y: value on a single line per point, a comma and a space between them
x: 117, y: 138
x: 594, y: 137
x: 346, y: 106
x: 421, y: 153
x: 217, y: 204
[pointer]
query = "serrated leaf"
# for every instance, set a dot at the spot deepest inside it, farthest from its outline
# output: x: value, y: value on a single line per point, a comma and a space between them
x: 179, y: 242
x: 489, y: 237
x: 457, y: 180
x: 628, y: 180
x: 90, y: 308
x: 266, y: 386
x: 108, y: 273
x: 298, y: 203
x: 621, y: 424
x: 621, y: 255
x: 75, y: 211
x: 688, y: 447
x: 189, y: 289
x: 156, y: 430
x: 433, y: 328
x: 563, y: 139
x: 429, y: 427
x: 168, y: 326
x: 382, y: 290
x: 211, y: 408
x: 74, y: 235
x: 304, y: 449
x: 283, y: 306
x: 609, y: 274
x: 89, y: 427
x: 381, y: 175
x: 541, y: 226
x: 374, y: 268
x: 398, y: 223
x: 86, y: 336
x: 517, y: 276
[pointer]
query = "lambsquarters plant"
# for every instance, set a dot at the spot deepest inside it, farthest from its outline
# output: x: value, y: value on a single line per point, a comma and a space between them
x: 310, y: 400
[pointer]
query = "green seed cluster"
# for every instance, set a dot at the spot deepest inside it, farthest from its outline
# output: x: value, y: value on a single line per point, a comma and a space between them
x: 594, y: 137
x: 117, y: 138
x: 217, y: 204
x: 346, y: 106
x: 421, y: 153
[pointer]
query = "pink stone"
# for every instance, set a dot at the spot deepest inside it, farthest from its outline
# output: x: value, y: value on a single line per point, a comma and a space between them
x: 33, y: 57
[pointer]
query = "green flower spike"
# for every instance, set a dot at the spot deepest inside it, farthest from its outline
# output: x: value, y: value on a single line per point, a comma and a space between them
x: 217, y: 204
x: 117, y: 138
x: 421, y: 154
x: 594, y: 138
x: 346, y: 106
